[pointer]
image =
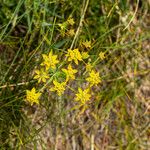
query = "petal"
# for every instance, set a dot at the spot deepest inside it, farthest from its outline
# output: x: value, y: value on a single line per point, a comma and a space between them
x: 33, y: 90
x: 36, y: 77
x: 76, y: 61
x: 44, y: 56
x: 37, y: 71
x: 39, y: 80
x: 44, y: 80
x: 50, y: 54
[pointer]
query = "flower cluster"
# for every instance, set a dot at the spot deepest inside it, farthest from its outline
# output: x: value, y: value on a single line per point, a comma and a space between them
x: 59, y: 87
x: 83, y: 96
x: 66, y: 28
x: 32, y: 96
x: 93, y: 78
x: 41, y: 75
x: 70, y: 72
x: 87, y: 44
x: 56, y: 76
x: 74, y: 55
x: 50, y: 61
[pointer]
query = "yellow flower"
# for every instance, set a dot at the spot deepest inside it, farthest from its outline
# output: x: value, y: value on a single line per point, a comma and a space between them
x: 70, y: 55
x: 71, y: 21
x: 50, y: 61
x: 93, y: 78
x: 59, y: 87
x: 41, y: 75
x: 74, y: 55
x: 89, y: 67
x: 77, y: 54
x: 71, y: 32
x: 63, y: 26
x: 87, y: 44
x: 102, y: 55
x: 32, y: 96
x: 70, y: 72
x: 85, y: 55
x: 83, y: 96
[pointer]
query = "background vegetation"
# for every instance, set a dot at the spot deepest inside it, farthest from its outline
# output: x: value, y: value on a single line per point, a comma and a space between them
x: 118, y: 117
